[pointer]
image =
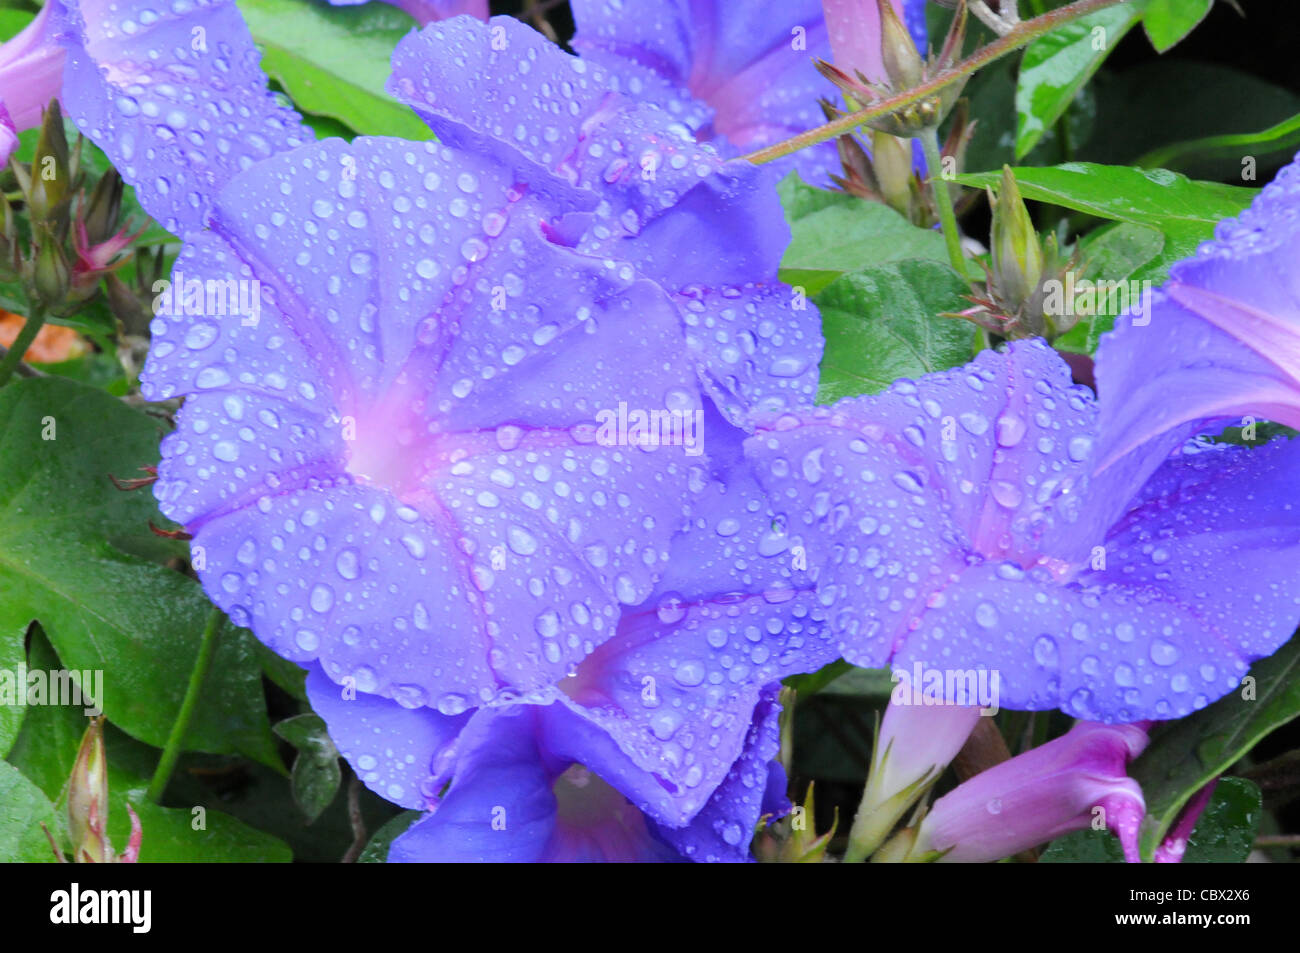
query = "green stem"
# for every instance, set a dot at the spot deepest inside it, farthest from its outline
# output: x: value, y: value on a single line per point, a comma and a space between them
x: 167, y: 763
x: 11, y: 360
x: 943, y: 200
x: 1024, y: 34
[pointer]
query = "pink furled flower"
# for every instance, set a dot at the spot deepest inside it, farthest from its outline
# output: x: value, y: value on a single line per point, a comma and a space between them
x: 31, y: 74
x: 1174, y: 845
x: 1040, y: 795
x: 854, y: 29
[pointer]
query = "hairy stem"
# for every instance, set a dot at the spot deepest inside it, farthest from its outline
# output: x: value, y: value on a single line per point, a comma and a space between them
x: 943, y: 200
x: 1023, y: 34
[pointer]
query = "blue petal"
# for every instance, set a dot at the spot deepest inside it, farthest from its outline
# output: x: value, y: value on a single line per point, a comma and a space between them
x: 175, y: 97
x: 499, y: 809
x: 402, y: 754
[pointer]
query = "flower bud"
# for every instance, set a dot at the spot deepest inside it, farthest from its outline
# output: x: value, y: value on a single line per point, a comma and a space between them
x: 1017, y: 257
x: 898, y: 55
x: 51, y: 277
x: 104, y: 207
x: 51, y: 177
x: 914, y: 745
x: 10, y: 253
x: 88, y: 799
x: 891, y: 161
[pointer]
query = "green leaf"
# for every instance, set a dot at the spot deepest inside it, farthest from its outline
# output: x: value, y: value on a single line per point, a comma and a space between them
x: 47, y: 749
x: 1055, y: 67
x: 11, y: 654
x: 1114, y: 253
x: 833, y: 233
x: 1187, y: 754
x: 1282, y: 137
x: 1152, y: 104
x: 286, y: 674
x: 194, y: 835
x: 1225, y: 833
x: 23, y: 807
x: 62, y: 529
x: 882, y: 323
x: 811, y: 683
x: 874, y: 683
x: 376, y: 851
x: 1168, y: 21
x: 1084, y: 847
x: 334, y: 61
x: 1184, y: 210
x: 316, y: 772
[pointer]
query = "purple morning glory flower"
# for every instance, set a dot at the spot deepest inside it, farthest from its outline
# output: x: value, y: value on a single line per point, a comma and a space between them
x: 738, y: 75
x: 954, y: 518
x: 176, y: 99
x: 31, y: 71
x: 741, y: 76
x: 674, y: 715
x: 709, y: 232
x: 389, y: 453
x: 1220, y: 342
x: 427, y: 11
x: 537, y: 782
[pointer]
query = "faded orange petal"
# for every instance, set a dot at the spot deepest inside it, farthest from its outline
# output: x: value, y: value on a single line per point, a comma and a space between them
x: 53, y: 342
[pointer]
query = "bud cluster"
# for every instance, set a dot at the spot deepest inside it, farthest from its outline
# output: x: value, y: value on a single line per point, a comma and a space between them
x: 71, y: 235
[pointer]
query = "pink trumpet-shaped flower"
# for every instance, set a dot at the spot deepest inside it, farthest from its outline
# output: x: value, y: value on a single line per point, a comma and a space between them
x: 1040, y: 795
x: 31, y: 73
x: 1174, y: 845
x: 854, y: 29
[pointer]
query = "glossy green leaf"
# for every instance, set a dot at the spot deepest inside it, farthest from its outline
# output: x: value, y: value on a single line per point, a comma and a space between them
x: 316, y: 772
x: 1056, y: 66
x: 1084, y: 847
x: 810, y: 683
x: 376, y: 851
x: 12, y: 22
x: 23, y: 808
x: 138, y: 622
x: 1152, y: 104
x: 1225, y: 833
x: 1187, y: 754
x: 882, y: 323
x: 334, y: 61
x: 1168, y: 21
x: 833, y: 233
x: 1282, y: 137
x: 11, y: 655
x: 47, y: 749
x: 286, y: 674
x: 1184, y: 210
